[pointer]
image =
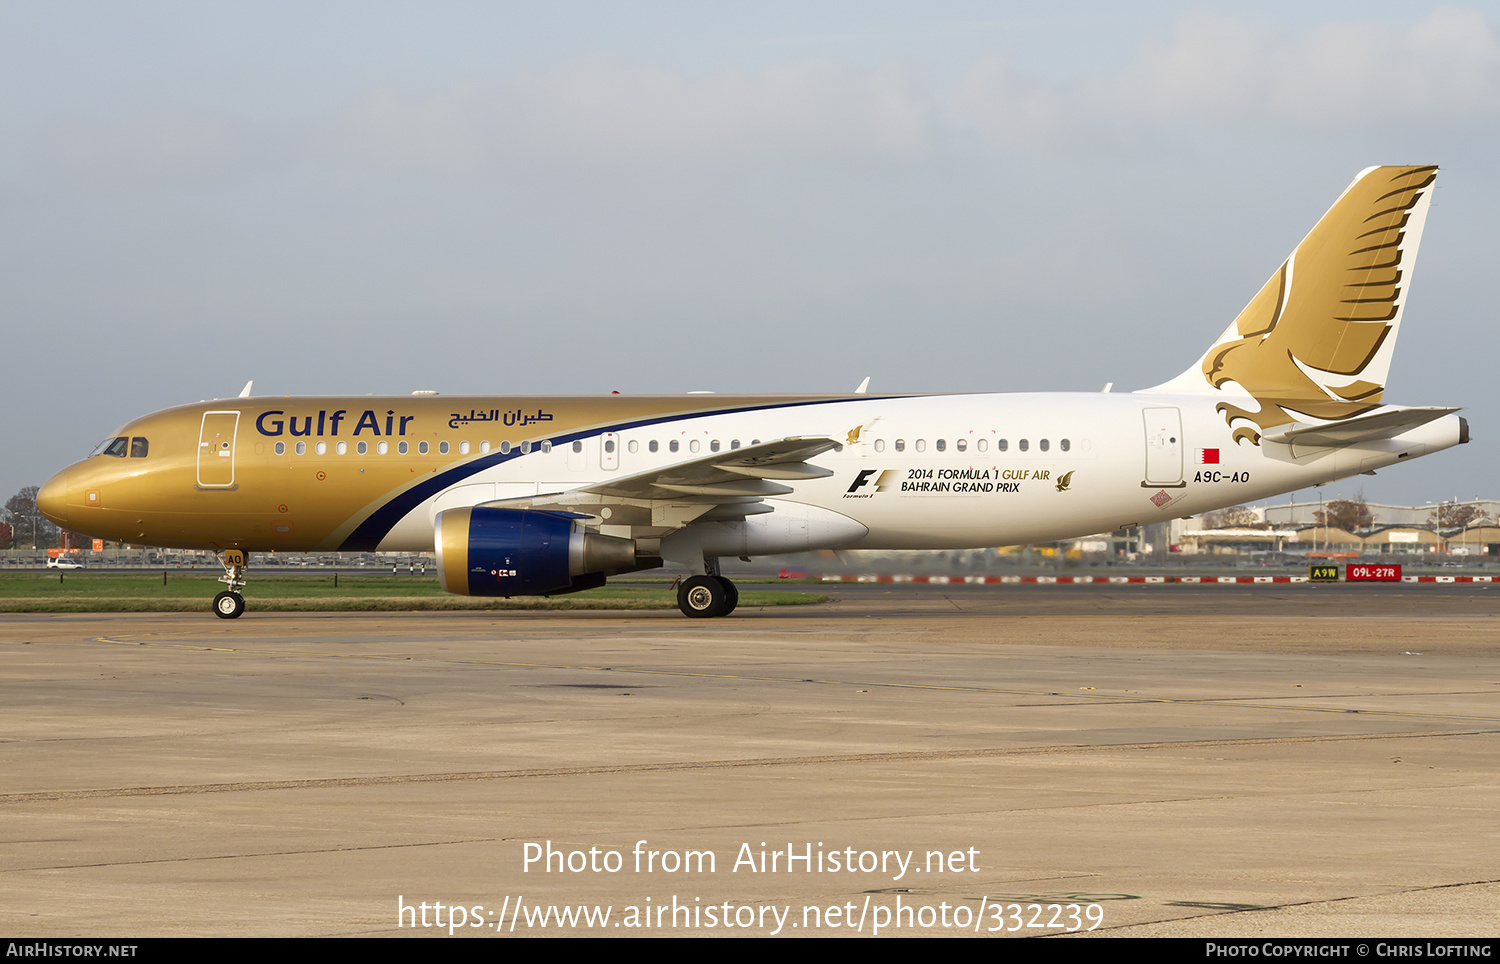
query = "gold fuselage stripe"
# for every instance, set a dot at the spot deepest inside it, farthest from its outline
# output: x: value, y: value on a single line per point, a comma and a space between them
x: 339, y: 499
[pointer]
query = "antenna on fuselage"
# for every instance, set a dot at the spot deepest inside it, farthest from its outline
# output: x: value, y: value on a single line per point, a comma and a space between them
x: 245, y: 392
x: 863, y: 386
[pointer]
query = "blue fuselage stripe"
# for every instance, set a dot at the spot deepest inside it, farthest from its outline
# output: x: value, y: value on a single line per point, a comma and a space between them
x: 369, y: 533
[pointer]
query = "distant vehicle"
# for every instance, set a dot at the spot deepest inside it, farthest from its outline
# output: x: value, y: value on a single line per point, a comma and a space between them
x: 62, y: 563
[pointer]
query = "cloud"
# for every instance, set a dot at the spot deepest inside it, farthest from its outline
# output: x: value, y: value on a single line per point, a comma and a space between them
x: 1223, y: 71
x: 1212, y: 72
x: 602, y: 111
x: 148, y: 148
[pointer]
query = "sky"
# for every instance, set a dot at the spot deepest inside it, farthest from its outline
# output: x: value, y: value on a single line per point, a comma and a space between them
x: 649, y: 197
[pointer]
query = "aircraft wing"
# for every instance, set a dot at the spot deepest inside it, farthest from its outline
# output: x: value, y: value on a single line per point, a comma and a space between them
x: 724, y: 485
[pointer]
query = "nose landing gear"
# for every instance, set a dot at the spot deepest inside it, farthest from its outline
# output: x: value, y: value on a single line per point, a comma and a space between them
x: 230, y: 603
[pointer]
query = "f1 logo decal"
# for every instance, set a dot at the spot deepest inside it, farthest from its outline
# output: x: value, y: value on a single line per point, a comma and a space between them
x: 884, y: 478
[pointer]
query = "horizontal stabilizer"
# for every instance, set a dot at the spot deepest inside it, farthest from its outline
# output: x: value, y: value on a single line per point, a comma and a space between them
x: 1362, y: 428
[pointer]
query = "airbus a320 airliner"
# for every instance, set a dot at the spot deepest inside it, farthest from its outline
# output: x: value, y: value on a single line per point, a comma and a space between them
x: 541, y: 495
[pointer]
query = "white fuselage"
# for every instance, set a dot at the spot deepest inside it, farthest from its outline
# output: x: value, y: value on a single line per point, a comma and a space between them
x: 951, y: 471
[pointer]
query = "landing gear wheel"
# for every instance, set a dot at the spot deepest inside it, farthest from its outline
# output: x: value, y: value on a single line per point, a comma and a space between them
x: 731, y: 595
x: 702, y: 597
x: 229, y: 605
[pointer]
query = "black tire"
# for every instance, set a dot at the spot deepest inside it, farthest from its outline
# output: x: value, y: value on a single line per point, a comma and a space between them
x: 702, y: 597
x: 731, y: 595
x: 229, y: 605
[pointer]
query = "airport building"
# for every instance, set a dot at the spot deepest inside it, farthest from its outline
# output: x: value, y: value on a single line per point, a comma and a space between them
x: 1392, y: 530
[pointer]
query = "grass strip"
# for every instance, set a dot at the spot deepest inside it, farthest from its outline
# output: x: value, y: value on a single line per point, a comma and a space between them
x: 192, y: 591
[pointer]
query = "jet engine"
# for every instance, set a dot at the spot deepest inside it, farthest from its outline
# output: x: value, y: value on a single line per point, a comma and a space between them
x: 489, y: 551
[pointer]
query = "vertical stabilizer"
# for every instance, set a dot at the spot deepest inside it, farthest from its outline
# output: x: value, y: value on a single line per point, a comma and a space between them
x: 1315, y: 343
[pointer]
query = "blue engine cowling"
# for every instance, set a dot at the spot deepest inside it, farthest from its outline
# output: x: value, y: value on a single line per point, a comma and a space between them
x: 484, y: 551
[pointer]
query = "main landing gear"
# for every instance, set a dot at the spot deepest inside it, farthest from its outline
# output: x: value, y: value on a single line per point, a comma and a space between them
x: 229, y: 604
x: 703, y: 597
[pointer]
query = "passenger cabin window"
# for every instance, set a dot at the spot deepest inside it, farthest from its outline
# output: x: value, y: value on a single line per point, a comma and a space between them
x: 463, y: 447
x: 280, y: 448
x: 443, y: 447
x: 672, y: 445
x: 421, y: 448
x: 322, y: 448
x: 578, y: 446
x: 941, y: 444
x: 982, y: 444
x: 1065, y: 445
x: 381, y: 448
x: 363, y: 448
x: 960, y: 444
x: 900, y: 445
x: 342, y: 448
x: 651, y: 446
x: 1043, y: 444
x: 1002, y: 445
x: 880, y: 445
x: 633, y: 446
x: 1024, y: 445
x: 401, y: 448
x: 302, y: 448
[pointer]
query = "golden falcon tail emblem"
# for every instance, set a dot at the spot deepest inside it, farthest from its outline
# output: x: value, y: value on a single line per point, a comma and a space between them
x: 1306, y: 344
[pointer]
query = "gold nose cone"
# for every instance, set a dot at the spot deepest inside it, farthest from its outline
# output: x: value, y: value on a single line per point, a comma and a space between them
x: 52, y: 500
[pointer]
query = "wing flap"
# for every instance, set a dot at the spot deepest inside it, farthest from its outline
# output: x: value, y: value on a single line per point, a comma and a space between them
x: 759, y: 488
x: 720, y: 486
x: 769, y: 460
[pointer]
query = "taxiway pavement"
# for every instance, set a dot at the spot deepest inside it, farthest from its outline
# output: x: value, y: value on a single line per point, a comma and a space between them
x: 1196, y: 760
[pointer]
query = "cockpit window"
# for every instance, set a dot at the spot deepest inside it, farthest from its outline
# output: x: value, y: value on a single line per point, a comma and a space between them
x: 138, y: 447
x: 105, y: 446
